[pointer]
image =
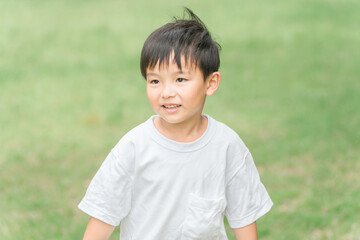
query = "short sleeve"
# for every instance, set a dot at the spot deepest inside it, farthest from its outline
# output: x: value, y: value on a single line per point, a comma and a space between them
x: 108, y: 197
x: 247, y: 198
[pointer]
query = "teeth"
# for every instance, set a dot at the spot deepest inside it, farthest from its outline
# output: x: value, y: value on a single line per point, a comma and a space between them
x: 170, y: 106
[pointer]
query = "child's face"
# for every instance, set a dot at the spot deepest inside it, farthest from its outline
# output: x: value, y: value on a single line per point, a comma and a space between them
x: 177, y: 96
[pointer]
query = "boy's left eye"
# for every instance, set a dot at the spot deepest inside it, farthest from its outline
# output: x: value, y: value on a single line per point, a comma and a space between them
x: 181, y: 80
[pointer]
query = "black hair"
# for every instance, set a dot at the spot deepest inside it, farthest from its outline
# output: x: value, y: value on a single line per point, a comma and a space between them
x: 183, y: 37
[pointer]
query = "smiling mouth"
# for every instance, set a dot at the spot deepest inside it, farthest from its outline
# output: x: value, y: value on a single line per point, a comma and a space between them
x: 170, y: 106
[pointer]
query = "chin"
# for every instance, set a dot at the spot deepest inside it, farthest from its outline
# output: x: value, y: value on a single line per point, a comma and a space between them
x: 171, y: 119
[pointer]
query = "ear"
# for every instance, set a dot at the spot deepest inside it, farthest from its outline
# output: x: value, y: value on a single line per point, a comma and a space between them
x: 212, y: 81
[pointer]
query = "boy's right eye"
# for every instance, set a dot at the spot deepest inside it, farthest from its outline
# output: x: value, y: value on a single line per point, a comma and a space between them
x: 154, y: 81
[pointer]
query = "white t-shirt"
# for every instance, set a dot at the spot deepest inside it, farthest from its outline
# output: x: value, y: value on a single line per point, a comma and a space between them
x: 166, y: 190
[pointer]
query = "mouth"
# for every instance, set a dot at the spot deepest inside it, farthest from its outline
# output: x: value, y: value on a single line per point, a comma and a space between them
x: 171, y: 106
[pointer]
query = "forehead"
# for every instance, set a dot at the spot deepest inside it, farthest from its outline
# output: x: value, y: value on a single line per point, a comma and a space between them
x: 170, y: 64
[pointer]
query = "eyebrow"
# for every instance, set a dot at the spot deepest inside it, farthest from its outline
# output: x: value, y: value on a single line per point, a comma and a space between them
x: 183, y: 72
x: 151, y: 74
x: 178, y: 72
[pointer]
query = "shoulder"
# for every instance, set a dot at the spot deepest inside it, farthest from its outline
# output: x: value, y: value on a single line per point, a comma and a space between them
x: 125, y: 151
x: 237, y: 152
x: 226, y: 135
x: 129, y: 141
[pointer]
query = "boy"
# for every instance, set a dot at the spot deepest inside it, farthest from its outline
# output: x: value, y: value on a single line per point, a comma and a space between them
x: 176, y: 175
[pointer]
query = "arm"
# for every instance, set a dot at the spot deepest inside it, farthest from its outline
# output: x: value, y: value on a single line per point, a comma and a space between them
x: 97, y: 230
x: 248, y: 232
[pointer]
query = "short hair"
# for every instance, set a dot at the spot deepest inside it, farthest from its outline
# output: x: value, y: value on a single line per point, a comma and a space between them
x: 182, y: 37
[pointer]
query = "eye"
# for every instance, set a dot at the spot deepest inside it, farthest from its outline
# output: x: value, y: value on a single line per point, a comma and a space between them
x: 154, y: 81
x: 181, y: 80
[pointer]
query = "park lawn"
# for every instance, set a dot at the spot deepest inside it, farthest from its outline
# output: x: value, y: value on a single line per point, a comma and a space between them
x: 70, y: 87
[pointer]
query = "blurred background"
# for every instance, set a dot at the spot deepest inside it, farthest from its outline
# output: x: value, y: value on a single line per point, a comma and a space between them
x: 70, y: 87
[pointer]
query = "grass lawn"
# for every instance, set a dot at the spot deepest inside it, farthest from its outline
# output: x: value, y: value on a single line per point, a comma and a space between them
x: 70, y: 87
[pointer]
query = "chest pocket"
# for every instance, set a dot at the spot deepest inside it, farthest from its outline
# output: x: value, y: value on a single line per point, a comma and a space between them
x: 204, y: 219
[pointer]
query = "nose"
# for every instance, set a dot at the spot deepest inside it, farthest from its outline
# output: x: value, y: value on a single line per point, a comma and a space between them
x: 168, y: 91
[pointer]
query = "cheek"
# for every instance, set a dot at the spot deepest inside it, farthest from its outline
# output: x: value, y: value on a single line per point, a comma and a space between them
x: 194, y: 95
x: 151, y: 94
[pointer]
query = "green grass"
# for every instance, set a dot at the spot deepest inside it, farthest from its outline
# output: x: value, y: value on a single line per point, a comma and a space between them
x: 70, y: 87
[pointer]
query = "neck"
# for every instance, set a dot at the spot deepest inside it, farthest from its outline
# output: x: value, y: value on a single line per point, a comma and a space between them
x: 182, y: 132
